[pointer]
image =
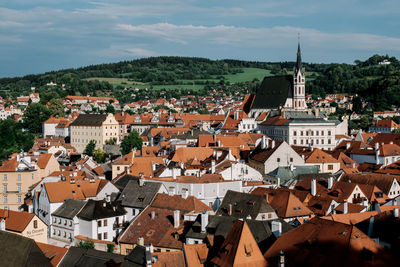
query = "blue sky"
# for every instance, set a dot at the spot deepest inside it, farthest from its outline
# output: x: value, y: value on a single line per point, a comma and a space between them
x: 43, y: 35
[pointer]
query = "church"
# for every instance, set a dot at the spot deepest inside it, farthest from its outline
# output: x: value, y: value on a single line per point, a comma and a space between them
x: 279, y: 92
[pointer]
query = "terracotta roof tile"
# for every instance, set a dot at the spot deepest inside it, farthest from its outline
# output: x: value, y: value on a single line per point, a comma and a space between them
x: 16, y: 221
x: 190, y: 203
x: 54, y: 253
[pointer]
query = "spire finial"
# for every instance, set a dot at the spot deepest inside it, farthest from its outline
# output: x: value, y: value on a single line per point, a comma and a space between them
x: 298, y: 37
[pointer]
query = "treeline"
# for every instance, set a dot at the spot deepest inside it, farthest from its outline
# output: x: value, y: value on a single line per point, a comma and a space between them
x: 376, y: 83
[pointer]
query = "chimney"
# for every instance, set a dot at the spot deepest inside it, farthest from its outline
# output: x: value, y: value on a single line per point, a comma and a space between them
x: 347, y: 145
x: 153, y: 215
x: 365, y: 202
x: 153, y: 166
x: 376, y: 146
x: 263, y: 142
x: 204, y: 221
x: 272, y: 144
x: 173, y: 174
x: 313, y: 187
x: 291, y: 167
x: 354, y: 165
x: 377, y: 156
x: 302, y: 156
x: 219, y: 143
x: 281, y: 259
x: 330, y: 183
x: 141, y: 182
x: 140, y: 241
x: 2, y: 225
x: 230, y: 210
x: 236, y: 115
x: 276, y: 228
x: 176, y: 218
x: 371, y: 225
x: 213, y: 166
x: 396, y: 212
x: 345, y: 207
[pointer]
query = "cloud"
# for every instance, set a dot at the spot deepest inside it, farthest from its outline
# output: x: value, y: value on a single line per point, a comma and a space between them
x: 273, y: 37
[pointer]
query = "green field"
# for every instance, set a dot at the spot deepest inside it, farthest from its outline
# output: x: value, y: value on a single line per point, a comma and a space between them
x: 248, y: 74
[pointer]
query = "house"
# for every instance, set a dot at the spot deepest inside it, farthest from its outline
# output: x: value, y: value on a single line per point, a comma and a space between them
x: 122, y: 164
x: 239, y: 248
x: 287, y: 206
x: 53, y: 195
x: 209, y: 188
x: 101, y: 219
x: 389, y: 184
x: 23, y: 223
x: 271, y: 154
x: 319, y: 242
x: 21, y: 171
x: 325, y: 162
x: 17, y: 250
x: 65, y: 224
x: 153, y: 226
x: 97, y: 127
x: 137, y: 195
x: 242, y: 205
x: 315, y: 132
x: 383, y: 126
x: 384, y: 154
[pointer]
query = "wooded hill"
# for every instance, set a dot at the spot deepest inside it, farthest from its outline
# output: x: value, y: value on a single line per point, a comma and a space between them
x: 376, y: 83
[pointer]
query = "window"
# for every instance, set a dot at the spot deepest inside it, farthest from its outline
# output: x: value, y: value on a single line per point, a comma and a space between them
x: 99, y: 236
x: 316, y: 133
x: 5, y: 199
x: 19, y: 199
x: 19, y: 187
x: 322, y: 141
x: 301, y: 141
x: 5, y: 177
x: 35, y: 224
x: 105, y: 223
x: 98, y: 223
x: 291, y: 159
x: 322, y: 132
x: 329, y: 141
x: 294, y: 133
x: 5, y: 187
x: 330, y: 167
x: 19, y: 177
x: 105, y: 236
x: 278, y: 160
x: 329, y: 132
x: 301, y: 133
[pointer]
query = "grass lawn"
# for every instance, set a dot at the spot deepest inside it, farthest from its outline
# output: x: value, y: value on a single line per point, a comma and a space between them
x: 249, y: 74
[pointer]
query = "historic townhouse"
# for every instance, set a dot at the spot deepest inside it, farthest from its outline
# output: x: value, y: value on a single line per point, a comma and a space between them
x: 97, y: 127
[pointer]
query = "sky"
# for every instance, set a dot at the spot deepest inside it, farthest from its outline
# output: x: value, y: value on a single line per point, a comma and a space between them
x: 45, y: 35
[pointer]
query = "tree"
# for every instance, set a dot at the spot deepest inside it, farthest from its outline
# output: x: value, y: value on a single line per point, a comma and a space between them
x: 111, y: 141
x: 86, y: 244
x: 110, y: 109
x: 34, y: 115
x: 357, y: 105
x: 56, y: 107
x: 90, y: 147
x: 13, y: 139
x: 132, y: 140
x: 99, y: 155
x: 110, y: 248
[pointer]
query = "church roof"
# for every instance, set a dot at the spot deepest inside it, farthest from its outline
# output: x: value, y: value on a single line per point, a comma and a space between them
x: 273, y: 92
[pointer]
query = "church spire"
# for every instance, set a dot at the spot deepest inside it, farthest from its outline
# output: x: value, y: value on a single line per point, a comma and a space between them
x: 298, y: 63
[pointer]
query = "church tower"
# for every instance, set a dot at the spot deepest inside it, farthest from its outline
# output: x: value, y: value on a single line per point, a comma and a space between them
x: 299, y: 82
